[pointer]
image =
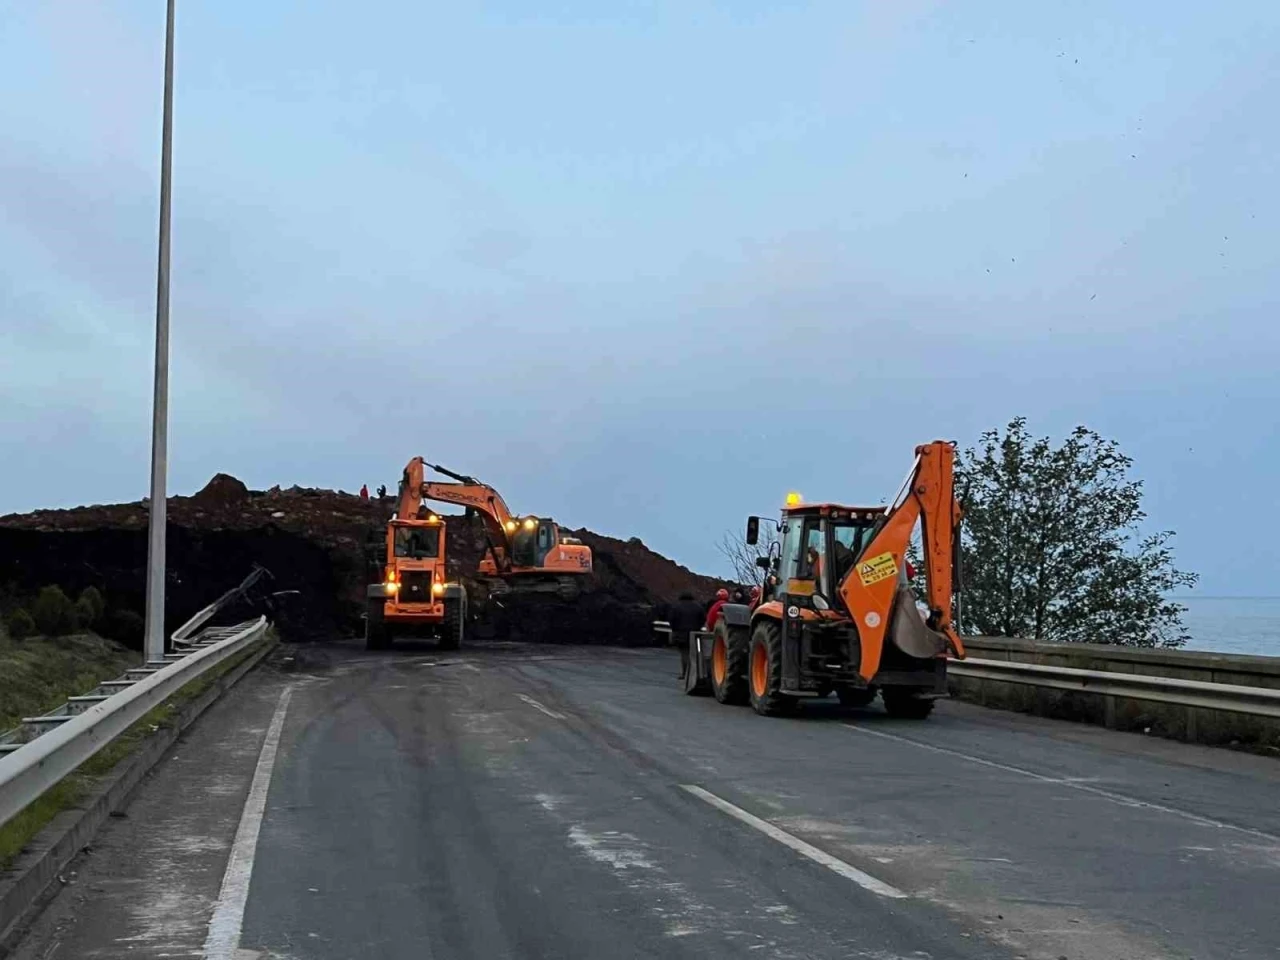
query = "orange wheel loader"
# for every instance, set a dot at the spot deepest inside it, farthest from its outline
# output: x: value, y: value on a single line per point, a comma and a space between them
x: 415, y: 596
x: 837, y: 613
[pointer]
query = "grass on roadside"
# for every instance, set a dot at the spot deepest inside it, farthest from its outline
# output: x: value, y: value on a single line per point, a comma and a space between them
x: 39, y: 673
x: 72, y: 789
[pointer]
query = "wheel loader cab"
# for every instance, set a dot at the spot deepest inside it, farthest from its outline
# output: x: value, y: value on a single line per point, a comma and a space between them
x: 417, y: 542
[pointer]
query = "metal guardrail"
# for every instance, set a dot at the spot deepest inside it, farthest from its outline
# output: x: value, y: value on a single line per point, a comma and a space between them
x: 1232, y: 698
x: 42, y: 750
x: 87, y: 724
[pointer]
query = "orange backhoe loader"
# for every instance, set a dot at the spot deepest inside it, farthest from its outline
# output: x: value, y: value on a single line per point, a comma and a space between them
x: 525, y: 554
x: 837, y: 613
x: 415, y: 596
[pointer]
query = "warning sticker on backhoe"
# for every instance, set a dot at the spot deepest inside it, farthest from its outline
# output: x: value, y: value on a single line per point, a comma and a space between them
x: 877, y: 569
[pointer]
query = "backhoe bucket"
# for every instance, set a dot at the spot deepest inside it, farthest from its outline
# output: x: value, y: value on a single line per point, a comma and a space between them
x: 909, y: 632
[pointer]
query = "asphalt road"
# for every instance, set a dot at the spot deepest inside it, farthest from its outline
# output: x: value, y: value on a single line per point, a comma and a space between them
x: 547, y: 802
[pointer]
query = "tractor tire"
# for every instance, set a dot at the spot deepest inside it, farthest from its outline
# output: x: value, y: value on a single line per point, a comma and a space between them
x: 856, y: 696
x: 375, y: 627
x: 907, y: 704
x: 729, y: 664
x: 452, y: 628
x: 767, y: 698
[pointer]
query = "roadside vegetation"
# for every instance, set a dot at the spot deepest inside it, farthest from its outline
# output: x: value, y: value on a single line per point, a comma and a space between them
x: 48, y: 652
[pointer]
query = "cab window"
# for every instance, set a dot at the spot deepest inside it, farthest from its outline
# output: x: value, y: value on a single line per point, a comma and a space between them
x: 418, y: 543
x: 811, y: 556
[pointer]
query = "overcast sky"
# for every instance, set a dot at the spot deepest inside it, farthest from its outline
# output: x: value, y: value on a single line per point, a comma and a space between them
x: 646, y: 266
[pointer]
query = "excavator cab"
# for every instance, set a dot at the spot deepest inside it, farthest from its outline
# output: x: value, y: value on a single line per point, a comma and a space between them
x: 532, y: 541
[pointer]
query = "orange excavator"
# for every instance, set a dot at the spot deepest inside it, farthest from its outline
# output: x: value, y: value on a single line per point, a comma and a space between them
x: 837, y: 612
x: 524, y: 554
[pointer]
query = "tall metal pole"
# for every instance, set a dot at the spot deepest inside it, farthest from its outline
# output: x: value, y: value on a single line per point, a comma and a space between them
x: 160, y: 401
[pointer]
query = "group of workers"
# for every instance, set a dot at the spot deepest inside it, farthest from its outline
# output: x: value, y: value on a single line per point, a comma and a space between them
x: 689, y: 615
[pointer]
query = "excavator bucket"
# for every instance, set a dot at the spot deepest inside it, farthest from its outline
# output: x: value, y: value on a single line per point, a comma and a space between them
x: 908, y: 630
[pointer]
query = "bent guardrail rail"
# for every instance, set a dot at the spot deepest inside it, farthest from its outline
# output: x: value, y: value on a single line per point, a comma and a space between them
x: 41, y: 750
x: 30, y: 768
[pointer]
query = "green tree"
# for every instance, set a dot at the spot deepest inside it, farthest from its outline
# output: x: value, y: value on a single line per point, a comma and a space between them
x: 20, y: 624
x: 53, y: 612
x: 92, y: 603
x: 1053, y: 548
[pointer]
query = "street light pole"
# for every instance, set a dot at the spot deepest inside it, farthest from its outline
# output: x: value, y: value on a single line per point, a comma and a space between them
x: 160, y: 401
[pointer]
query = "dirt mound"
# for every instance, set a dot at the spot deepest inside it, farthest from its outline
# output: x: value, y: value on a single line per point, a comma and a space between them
x: 314, y: 542
x: 222, y: 490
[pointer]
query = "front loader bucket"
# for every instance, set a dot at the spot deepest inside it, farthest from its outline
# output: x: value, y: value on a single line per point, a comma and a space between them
x: 909, y: 632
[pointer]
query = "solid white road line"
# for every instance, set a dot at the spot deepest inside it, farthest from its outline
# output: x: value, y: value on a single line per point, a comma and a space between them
x: 537, y: 706
x: 834, y: 864
x: 1073, y: 783
x: 223, y: 940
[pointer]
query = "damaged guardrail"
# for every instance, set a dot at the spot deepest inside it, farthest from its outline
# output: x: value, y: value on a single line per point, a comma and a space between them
x: 42, y: 750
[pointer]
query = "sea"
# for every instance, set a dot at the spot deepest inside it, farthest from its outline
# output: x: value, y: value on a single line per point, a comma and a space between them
x: 1233, y: 624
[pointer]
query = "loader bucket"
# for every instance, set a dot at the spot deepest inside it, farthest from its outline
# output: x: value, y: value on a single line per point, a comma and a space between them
x: 909, y: 632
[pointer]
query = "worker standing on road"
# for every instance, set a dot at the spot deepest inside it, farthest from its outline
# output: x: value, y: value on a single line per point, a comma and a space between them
x: 713, y: 614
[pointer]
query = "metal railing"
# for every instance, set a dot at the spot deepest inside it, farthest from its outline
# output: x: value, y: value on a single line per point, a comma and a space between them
x: 42, y: 750
x: 1229, y: 697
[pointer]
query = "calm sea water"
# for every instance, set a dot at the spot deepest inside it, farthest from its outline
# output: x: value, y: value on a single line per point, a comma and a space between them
x: 1233, y: 624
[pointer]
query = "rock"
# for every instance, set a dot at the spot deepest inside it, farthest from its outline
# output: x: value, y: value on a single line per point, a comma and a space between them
x: 222, y: 490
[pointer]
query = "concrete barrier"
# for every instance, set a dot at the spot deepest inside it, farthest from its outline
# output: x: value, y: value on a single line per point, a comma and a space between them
x: 1176, y: 721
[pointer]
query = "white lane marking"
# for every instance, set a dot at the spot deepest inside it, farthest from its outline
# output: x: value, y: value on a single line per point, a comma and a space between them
x: 223, y: 940
x: 1073, y: 783
x: 537, y: 706
x: 834, y: 864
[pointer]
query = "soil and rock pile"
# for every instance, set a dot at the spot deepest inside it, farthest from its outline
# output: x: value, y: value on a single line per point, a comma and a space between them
x: 314, y: 542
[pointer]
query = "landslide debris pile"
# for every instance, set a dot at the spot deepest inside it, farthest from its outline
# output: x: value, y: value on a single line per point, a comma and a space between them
x: 313, y: 541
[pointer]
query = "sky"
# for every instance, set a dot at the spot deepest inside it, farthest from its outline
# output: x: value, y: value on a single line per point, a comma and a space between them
x: 647, y: 266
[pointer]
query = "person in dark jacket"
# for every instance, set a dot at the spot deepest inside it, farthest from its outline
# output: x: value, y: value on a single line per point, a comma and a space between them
x: 686, y: 616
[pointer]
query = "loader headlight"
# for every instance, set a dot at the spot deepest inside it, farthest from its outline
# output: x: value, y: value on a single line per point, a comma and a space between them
x: 392, y: 588
x: 511, y: 526
x: 530, y: 523
x: 437, y: 588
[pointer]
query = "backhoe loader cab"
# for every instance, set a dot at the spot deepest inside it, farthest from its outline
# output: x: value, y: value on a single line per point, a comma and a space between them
x: 837, y: 613
x: 415, y: 597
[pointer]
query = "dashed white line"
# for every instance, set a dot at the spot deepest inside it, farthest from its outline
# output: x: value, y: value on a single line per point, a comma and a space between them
x: 223, y: 940
x: 537, y: 706
x: 834, y: 864
x: 1073, y: 783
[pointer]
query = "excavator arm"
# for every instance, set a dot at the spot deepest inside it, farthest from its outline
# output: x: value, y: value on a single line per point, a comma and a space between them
x: 485, y: 500
x: 875, y: 591
x: 466, y: 492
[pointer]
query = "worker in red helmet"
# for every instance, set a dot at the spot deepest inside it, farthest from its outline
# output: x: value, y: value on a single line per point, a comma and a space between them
x: 713, y: 614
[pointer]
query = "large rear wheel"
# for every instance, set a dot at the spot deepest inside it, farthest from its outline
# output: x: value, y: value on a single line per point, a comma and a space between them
x: 767, y: 698
x: 375, y: 626
x: 907, y: 703
x: 729, y: 664
x: 453, y: 625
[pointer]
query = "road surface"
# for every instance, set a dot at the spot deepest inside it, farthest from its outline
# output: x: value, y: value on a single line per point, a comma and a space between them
x: 553, y: 802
